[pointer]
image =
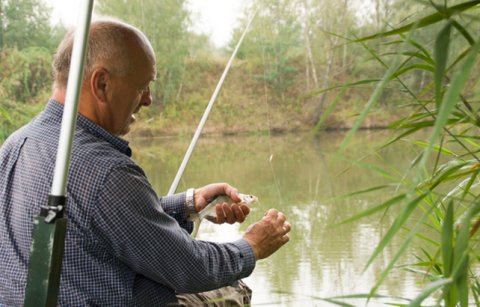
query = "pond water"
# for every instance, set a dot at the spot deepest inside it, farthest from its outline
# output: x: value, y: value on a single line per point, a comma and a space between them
x: 303, y: 177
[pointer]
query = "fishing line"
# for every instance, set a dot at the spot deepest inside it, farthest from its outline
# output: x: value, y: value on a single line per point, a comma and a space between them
x: 193, y: 143
x: 269, y: 125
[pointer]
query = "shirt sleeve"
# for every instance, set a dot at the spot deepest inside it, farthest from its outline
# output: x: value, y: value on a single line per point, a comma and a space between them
x: 135, y: 226
x: 175, y: 206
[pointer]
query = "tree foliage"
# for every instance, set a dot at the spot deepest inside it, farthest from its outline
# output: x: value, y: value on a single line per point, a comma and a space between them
x: 23, y: 73
x: 272, y: 44
x: 25, y: 23
x: 165, y: 23
x: 27, y: 41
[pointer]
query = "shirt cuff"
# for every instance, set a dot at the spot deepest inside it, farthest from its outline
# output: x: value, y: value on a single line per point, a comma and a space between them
x: 248, y: 257
x: 174, y: 205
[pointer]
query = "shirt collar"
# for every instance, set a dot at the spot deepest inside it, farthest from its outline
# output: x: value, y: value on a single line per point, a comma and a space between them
x: 55, y: 108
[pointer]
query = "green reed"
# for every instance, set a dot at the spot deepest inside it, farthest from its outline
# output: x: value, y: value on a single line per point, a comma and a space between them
x: 441, y: 189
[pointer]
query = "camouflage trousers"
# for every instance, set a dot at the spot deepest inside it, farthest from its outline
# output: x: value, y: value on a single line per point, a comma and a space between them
x: 238, y: 294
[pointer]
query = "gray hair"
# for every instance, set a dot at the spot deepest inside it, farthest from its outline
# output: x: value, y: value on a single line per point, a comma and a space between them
x: 107, y: 47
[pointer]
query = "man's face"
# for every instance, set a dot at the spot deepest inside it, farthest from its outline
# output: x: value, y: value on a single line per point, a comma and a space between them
x: 129, y: 94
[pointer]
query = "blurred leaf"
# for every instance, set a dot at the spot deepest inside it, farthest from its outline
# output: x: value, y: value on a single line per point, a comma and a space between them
x: 432, y: 287
x: 420, y: 56
x: 447, y: 241
x: 442, y: 44
x: 436, y: 148
x: 451, y: 97
x: 326, y: 114
x: 425, y: 21
x: 342, y: 86
x: 464, y: 32
x: 397, y: 224
x: 381, y: 207
x: 412, y: 67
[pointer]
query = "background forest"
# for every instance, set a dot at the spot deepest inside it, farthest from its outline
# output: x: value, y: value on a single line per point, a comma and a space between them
x: 313, y: 65
x: 294, y: 48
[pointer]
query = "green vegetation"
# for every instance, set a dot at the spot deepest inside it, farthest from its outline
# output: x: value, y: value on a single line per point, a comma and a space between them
x: 441, y: 187
x: 289, y: 54
x: 313, y: 64
x: 27, y: 41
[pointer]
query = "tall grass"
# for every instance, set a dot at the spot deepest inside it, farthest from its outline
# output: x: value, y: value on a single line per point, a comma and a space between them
x: 441, y: 189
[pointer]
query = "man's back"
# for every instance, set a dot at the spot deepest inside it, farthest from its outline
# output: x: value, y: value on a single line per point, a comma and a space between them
x: 26, y: 171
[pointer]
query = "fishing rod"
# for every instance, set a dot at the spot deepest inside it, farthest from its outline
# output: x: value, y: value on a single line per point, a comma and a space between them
x: 50, y: 226
x: 193, y: 143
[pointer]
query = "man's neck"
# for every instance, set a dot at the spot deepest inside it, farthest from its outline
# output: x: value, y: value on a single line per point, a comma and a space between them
x: 59, y: 96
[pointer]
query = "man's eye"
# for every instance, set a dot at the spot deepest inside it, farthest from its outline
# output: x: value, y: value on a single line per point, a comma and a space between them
x: 145, y: 90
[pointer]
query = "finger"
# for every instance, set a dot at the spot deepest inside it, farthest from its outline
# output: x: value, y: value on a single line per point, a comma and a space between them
x: 245, y: 209
x: 232, y: 193
x: 220, y: 215
x: 281, y: 218
x: 272, y: 213
x: 239, y: 216
x: 287, y: 227
x: 229, y: 215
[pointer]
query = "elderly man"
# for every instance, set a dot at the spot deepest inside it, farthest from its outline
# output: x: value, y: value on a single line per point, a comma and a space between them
x: 124, y: 245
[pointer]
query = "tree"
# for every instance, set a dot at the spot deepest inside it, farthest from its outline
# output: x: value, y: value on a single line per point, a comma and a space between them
x: 272, y: 43
x: 325, y: 22
x: 25, y: 23
x: 165, y: 24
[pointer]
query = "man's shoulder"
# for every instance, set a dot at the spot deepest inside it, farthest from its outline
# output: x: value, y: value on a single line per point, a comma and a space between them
x: 14, y: 140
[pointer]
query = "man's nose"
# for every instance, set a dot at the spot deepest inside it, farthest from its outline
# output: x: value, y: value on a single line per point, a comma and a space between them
x: 146, y: 99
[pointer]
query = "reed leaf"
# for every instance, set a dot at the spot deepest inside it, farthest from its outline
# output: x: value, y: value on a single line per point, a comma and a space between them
x: 451, y: 97
x: 384, y: 206
x: 432, y: 287
x: 442, y: 44
x: 447, y: 241
x: 397, y: 224
x: 343, y: 86
x: 418, y: 119
x: 377, y: 169
x: 372, y: 189
x: 469, y: 140
x: 461, y: 255
x: 461, y: 281
x: 419, y: 47
x: 420, y: 56
x: 402, y: 71
x: 403, y: 216
x: 425, y: 21
x: 401, y: 136
x: 371, y: 102
x: 436, y: 148
x: 461, y: 29
x: 329, y: 110
x: 470, y: 182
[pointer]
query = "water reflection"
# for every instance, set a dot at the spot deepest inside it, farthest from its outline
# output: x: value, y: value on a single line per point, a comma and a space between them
x: 304, y: 178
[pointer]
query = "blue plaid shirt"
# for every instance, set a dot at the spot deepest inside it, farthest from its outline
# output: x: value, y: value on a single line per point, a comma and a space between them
x: 124, y: 245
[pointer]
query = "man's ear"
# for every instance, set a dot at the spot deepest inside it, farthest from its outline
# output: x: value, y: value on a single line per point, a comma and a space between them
x: 100, y: 84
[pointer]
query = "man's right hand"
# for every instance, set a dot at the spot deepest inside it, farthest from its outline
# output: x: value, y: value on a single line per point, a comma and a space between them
x: 269, y: 234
